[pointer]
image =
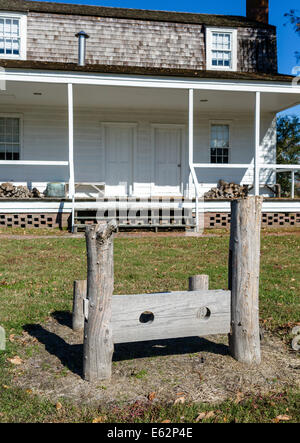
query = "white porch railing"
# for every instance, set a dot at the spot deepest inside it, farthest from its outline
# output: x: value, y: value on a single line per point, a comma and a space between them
x: 255, y: 166
x: 33, y: 163
x: 276, y: 167
x: 292, y: 170
x: 69, y: 163
x: 42, y: 163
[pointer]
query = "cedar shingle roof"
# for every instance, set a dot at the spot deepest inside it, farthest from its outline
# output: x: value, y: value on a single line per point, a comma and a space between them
x: 138, y: 70
x: 137, y: 14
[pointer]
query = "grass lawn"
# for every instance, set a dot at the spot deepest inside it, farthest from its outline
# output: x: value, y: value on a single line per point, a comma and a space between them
x: 36, y: 279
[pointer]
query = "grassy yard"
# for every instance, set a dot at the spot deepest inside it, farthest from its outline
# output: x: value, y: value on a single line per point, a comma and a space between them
x: 36, y: 278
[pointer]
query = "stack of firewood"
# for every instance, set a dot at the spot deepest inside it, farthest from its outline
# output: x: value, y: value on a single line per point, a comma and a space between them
x: 8, y: 190
x: 228, y: 190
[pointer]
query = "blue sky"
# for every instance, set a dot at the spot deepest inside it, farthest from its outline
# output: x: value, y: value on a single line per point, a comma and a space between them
x: 288, y: 41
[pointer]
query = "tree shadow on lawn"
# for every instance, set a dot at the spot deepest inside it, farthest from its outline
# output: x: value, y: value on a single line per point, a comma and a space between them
x: 71, y: 355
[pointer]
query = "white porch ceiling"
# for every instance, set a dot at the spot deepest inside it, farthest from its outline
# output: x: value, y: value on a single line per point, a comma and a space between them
x: 18, y: 93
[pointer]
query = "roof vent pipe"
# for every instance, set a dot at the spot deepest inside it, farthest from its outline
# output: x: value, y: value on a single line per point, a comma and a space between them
x: 82, y: 37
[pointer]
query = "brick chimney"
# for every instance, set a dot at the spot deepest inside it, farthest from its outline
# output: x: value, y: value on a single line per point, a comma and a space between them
x: 258, y: 10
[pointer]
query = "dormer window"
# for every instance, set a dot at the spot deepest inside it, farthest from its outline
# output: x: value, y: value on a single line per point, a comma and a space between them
x: 13, y: 35
x: 221, y: 49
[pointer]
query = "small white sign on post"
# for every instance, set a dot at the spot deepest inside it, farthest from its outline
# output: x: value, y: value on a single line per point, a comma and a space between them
x: 2, y: 339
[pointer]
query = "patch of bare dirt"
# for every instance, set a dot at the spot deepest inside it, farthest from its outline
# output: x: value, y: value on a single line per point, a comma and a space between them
x: 198, y: 369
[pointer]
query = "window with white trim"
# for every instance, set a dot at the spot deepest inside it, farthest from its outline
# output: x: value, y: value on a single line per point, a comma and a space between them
x: 13, y: 35
x: 10, y: 138
x: 219, y: 143
x: 221, y: 49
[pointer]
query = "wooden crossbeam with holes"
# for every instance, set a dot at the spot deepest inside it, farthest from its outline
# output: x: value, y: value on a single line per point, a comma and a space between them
x: 141, y: 317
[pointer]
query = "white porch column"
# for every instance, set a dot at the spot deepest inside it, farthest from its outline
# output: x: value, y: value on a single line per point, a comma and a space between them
x: 192, y: 176
x: 191, y: 137
x: 71, y: 140
x: 293, y: 184
x: 257, y: 143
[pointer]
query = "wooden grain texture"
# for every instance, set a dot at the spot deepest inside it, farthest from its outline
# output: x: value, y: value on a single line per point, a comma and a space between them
x: 98, y: 343
x: 176, y: 314
x: 2, y: 339
x: 244, y: 260
x: 199, y: 282
x: 79, y: 294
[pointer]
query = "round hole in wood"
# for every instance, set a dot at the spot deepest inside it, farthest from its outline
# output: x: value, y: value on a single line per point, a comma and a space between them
x: 147, y: 317
x: 203, y: 313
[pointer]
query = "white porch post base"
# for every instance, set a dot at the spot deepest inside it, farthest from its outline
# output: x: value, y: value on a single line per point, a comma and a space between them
x: 191, y: 189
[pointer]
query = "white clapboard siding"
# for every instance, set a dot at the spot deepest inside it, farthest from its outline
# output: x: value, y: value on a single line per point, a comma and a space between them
x: 175, y: 315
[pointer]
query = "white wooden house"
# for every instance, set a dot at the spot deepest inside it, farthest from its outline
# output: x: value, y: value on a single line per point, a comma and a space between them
x: 161, y: 104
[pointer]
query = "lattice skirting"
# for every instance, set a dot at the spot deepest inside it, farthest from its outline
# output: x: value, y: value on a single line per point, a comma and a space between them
x: 46, y: 220
x: 269, y: 219
x: 211, y: 220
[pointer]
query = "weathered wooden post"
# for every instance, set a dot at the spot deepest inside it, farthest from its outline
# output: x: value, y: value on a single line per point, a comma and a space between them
x: 79, y: 295
x: 98, y: 341
x: 243, y: 279
x: 199, y: 282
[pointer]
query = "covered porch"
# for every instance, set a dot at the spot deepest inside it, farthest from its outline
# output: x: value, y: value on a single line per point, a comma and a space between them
x: 140, y: 136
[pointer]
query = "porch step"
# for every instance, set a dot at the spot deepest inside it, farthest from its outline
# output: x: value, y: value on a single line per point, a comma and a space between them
x: 148, y: 218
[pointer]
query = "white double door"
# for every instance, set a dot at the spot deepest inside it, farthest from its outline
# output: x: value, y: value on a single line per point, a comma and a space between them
x: 164, y: 164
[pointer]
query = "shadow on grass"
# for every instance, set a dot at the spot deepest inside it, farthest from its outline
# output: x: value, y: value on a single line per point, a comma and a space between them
x: 174, y: 346
x: 64, y: 318
x: 71, y: 355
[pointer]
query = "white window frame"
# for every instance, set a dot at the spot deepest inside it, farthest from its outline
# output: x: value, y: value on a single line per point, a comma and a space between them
x: 221, y: 122
x: 21, y: 129
x: 209, y: 33
x: 23, y: 35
